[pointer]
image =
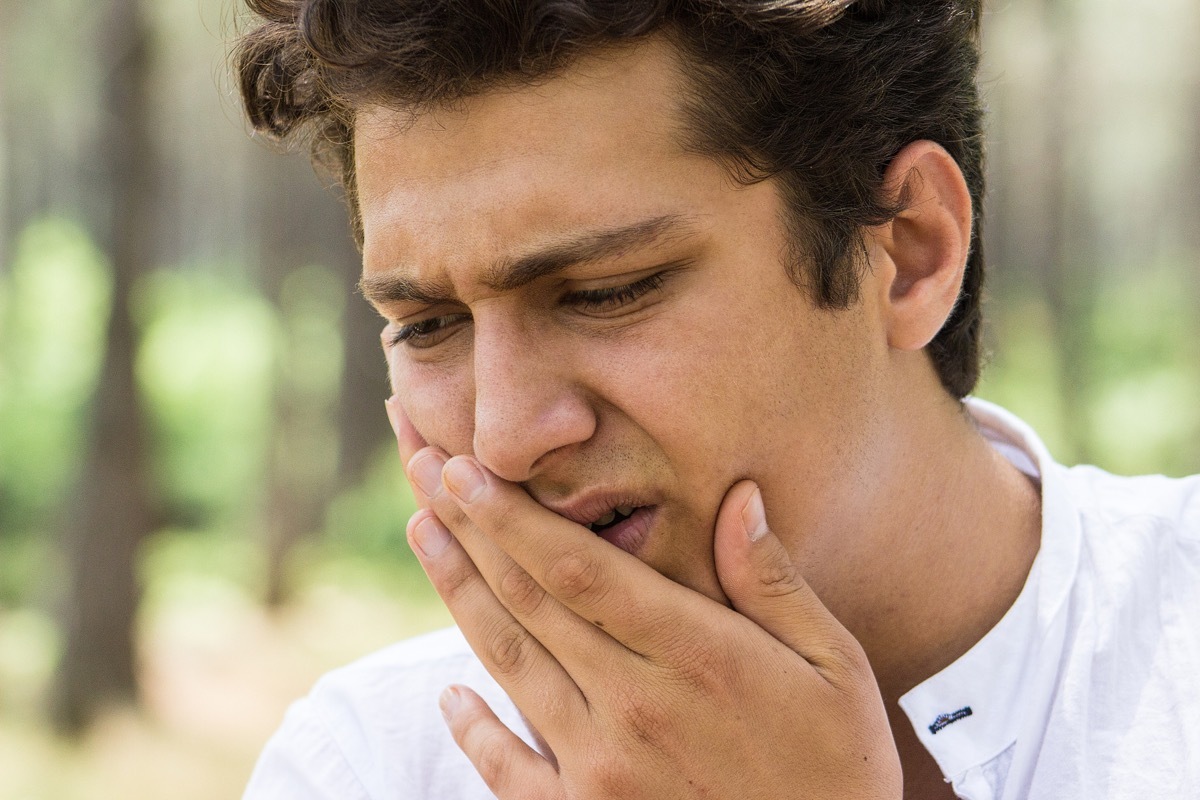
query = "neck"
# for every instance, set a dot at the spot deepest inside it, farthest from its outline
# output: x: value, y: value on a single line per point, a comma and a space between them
x: 948, y: 547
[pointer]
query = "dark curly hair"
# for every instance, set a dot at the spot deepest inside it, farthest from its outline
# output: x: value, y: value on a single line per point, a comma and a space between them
x: 818, y: 94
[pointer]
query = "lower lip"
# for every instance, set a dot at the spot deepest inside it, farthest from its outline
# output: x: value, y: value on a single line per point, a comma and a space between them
x: 631, y: 534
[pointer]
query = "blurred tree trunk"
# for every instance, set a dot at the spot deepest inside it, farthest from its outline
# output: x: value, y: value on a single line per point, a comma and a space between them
x: 113, y: 510
x: 300, y: 225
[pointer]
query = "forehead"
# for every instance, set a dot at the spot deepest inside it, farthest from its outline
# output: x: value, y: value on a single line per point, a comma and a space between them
x: 519, y: 166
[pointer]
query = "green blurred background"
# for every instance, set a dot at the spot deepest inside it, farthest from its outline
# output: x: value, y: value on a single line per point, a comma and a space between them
x: 200, y: 508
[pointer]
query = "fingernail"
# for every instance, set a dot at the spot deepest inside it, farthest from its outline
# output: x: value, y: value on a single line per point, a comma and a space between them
x: 754, y: 517
x: 426, y: 472
x: 464, y: 479
x: 393, y: 409
x: 449, y: 702
x: 431, y: 536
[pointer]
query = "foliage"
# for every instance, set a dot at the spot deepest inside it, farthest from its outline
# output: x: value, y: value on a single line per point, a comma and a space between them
x: 53, y: 306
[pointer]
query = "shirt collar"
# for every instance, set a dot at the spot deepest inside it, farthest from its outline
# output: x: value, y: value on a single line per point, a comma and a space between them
x: 970, y: 712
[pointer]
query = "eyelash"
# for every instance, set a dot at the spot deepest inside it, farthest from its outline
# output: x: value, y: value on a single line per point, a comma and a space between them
x: 418, y: 334
x: 615, y: 297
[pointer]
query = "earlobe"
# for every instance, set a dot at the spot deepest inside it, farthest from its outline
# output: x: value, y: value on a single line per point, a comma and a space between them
x: 927, y: 243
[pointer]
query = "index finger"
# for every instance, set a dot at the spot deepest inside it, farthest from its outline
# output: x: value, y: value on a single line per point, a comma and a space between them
x: 593, y: 578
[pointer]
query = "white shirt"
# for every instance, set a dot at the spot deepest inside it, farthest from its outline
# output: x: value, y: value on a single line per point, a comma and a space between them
x: 1088, y: 688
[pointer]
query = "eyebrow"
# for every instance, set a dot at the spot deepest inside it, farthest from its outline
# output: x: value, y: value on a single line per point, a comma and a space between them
x: 509, y: 274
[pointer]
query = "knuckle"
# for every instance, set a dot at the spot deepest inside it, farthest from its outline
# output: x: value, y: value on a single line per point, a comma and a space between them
x: 642, y: 717
x: 508, y: 649
x: 843, y: 662
x: 519, y: 591
x: 572, y: 575
x: 849, y: 656
x: 491, y: 758
x: 610, y: 776
x: 454, y: 585
x: 706, y: 668
x: 780, y: 577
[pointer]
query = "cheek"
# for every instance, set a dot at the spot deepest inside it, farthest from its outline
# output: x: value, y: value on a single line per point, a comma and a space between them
x: 739, y: 403
x: 439, y: 403
x: 683, y: 387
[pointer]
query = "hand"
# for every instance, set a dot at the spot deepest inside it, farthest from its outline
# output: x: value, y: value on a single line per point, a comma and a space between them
x: 642, y: 688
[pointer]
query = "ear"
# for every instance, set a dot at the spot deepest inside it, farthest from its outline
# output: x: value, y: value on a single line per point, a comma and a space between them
x: 925, y: 247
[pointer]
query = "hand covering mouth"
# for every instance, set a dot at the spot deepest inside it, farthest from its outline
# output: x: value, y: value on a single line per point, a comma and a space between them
x: 619, y: 517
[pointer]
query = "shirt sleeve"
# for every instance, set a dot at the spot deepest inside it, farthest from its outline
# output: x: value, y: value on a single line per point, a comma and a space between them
x: 302, y: 761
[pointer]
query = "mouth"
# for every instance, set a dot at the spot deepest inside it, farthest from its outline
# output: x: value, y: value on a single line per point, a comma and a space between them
x: 614, y: 517
x: 617, y: 518
x: 627, y: 527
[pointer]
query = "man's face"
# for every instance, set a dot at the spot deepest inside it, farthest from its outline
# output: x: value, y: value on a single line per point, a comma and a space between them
x: 607, y: 320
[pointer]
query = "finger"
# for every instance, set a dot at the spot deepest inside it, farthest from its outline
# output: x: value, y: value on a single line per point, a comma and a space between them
x: 588, y: 654
x: 408, y: 440
x: 764, y: 584
x: 597, y: 581
x: 407, y: 437
x: 509, y: 767
x: 532, y: 677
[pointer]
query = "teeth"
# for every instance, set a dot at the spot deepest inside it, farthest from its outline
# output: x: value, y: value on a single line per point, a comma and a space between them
x: 606, y: 519
x: 624, y: 511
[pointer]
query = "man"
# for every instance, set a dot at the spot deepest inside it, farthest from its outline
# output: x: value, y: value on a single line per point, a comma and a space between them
x: 682, y: 303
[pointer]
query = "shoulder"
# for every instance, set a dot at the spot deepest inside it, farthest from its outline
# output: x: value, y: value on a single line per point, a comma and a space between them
x: 1125, y: 699
x: 392, y: 693
x: 399, y: 671
x: 1147, y: 525
x: 1114, y: 502
x: 1124, y: 537
x: 1137, y: 591
x: 372, y: 729
x: 1139, y: 540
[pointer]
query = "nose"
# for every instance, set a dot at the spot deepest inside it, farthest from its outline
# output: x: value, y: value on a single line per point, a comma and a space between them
x: 527, y: 404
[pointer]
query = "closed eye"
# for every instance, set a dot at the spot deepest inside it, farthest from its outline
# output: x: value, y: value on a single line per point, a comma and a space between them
x: 613, y: 298
x: 427, y: 332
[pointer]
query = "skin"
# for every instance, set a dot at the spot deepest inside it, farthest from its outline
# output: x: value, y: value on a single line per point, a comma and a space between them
x: 897, y: 537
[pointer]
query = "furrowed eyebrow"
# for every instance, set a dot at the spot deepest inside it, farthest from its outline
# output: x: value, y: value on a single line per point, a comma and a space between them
x: 512, y: 274
x: 587, y: 248
x: 388, y: 289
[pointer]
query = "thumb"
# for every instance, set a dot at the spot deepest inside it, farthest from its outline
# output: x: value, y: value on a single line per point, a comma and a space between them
x: 764, y: 584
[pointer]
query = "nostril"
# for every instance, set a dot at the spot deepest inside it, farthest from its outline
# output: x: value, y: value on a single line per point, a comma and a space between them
x: 527, y: 416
